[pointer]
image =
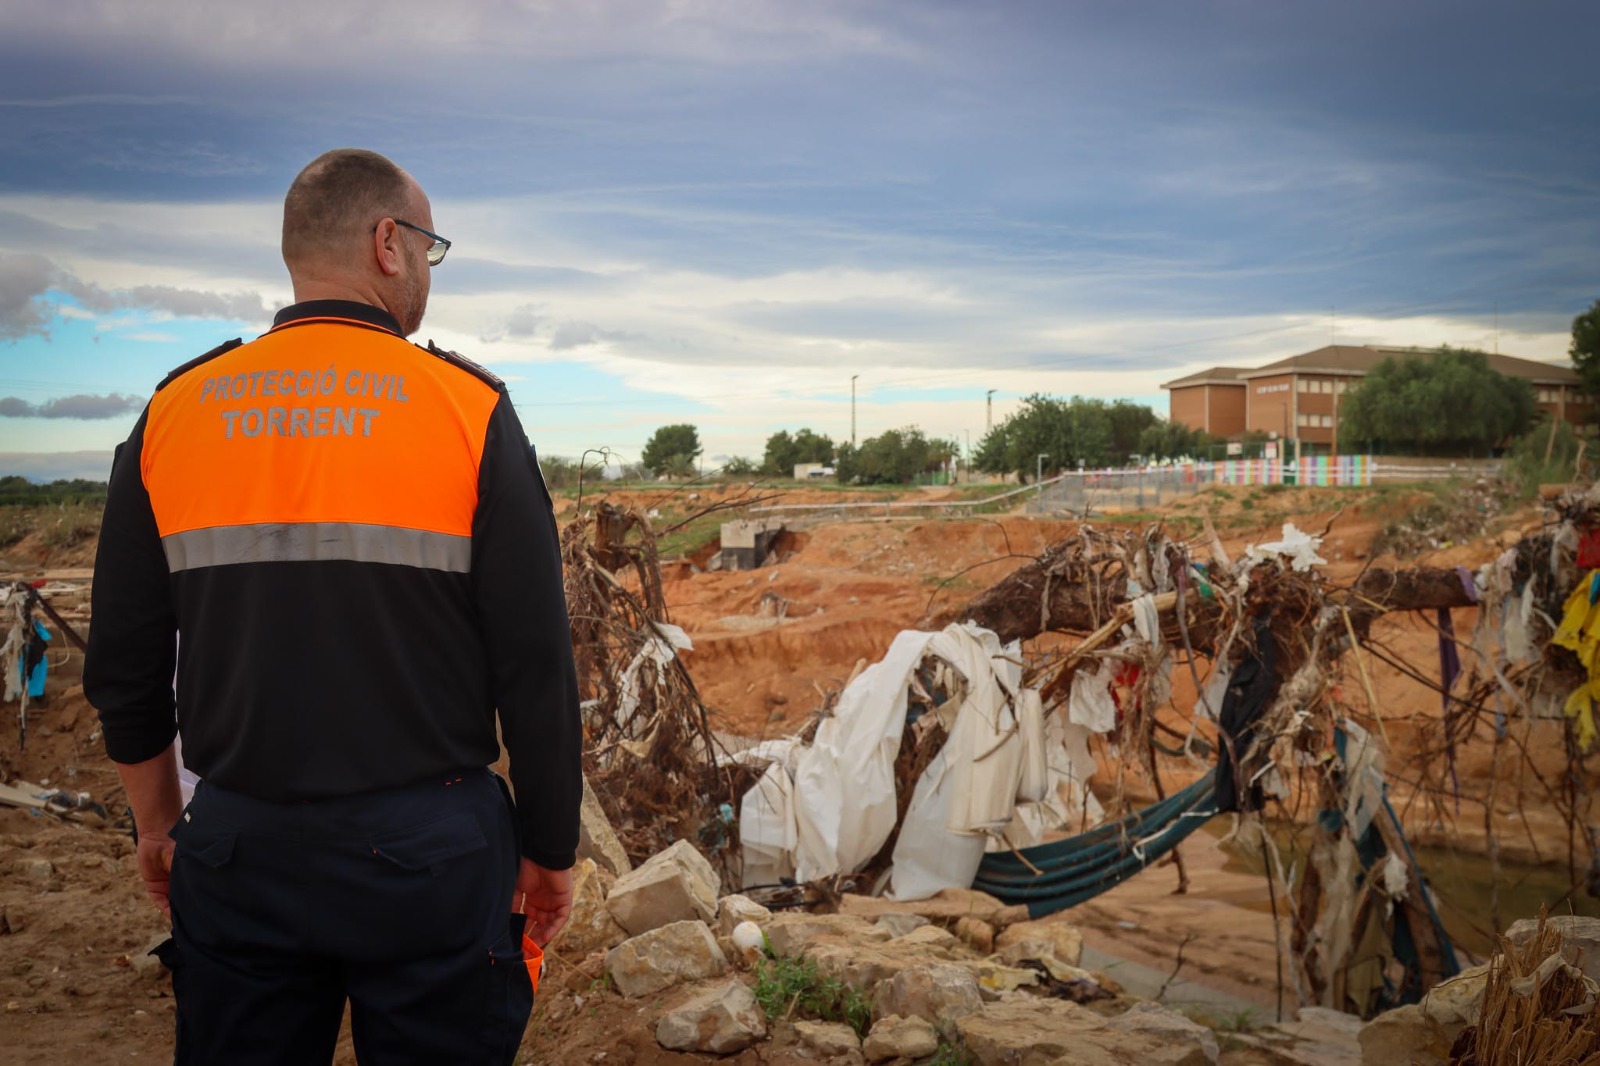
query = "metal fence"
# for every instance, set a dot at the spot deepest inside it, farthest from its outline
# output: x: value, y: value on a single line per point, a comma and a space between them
x: 1138, y: 488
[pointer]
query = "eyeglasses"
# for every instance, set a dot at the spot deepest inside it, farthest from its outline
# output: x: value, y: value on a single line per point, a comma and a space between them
x: 436, y: 250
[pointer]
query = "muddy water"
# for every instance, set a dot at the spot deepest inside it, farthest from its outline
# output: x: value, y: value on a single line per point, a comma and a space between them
x: 1468, y: 891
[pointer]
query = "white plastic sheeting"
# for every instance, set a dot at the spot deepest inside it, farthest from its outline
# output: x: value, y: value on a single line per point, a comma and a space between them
x: 1298, y: 547
x: 659, y: 651
x: 1002, y: 773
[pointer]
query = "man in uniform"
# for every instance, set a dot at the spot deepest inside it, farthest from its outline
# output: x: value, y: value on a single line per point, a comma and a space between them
x: 352, y: 535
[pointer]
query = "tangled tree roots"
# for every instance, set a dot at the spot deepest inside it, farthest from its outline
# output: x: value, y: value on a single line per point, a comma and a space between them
x: 649, y: 752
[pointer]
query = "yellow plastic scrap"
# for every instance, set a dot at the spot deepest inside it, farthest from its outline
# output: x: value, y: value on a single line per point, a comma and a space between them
x: 999, y: 978
x: 1580, y: 631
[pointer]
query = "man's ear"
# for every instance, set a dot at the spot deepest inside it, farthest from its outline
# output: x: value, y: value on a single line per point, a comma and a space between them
x: 386, y: 247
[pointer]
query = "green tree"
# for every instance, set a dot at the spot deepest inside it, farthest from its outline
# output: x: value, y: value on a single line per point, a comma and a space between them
x: 1129, y: 421
x: 785, y: 452
x: 1173, y: 440
x: 739, y: 466
x: 1451, y: 403
x: 563, y: 473
x: 1585, y: 349
x: 672, y: 450
x: 893, y: 458
x: 1063, y: 431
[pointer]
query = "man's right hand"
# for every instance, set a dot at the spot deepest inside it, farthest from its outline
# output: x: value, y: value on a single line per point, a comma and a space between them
x: 545, y: 896
x: 156, y: 800
x: 155, y: 868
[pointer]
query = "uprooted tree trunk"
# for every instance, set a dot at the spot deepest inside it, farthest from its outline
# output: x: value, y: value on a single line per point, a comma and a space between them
x: 1050, y: 596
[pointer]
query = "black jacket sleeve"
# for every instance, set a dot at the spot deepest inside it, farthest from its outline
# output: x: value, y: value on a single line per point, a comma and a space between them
x: 522, y: 609
x: 127, y: 674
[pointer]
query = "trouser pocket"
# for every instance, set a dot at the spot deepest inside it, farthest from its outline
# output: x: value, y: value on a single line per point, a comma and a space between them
x: 509, y: 999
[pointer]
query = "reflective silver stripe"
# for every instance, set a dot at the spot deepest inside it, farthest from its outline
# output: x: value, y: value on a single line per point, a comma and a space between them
x: 300, y: 542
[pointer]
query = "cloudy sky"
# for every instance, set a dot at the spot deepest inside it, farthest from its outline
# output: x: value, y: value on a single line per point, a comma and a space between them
x: 719, y: 211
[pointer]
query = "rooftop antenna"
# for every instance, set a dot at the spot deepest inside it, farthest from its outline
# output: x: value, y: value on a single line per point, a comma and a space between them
x: 1497, y: 327
x: 1333, y: 326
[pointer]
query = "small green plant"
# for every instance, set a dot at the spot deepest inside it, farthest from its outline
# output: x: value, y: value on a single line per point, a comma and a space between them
x: 787, y: 986
x: 1548, y: 454
x: 952, y: 1055
x: 1242, y: 1020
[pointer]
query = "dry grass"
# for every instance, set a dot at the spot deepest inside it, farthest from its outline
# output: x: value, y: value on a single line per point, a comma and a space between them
x: 1537, y: 1008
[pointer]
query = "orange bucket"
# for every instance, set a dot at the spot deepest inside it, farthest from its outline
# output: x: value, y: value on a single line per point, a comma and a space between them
x: 534, y: 955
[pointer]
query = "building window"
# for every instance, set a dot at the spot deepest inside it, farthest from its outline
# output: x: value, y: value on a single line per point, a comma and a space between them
x: 1339, y: 387
x: 1327, y: 421
x: 1302, y: 385
x: 1302, y: 420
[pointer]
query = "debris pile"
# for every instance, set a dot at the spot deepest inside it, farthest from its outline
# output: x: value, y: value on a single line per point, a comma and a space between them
x: 1462, y: 515
x: 649, y: 752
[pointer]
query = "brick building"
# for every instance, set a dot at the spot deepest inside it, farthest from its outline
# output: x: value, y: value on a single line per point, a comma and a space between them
x: 1298, y: 398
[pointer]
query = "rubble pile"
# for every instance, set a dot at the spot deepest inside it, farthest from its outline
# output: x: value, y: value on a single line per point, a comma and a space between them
x: 958, y: 977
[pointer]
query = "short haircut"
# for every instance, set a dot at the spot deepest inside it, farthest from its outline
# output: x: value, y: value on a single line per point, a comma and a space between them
x: 336, y: 199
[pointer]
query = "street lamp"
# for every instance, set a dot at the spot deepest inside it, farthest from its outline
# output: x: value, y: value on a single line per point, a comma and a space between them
x: 1038, y: 471
x: 853, y: 409
x: 988, y: 414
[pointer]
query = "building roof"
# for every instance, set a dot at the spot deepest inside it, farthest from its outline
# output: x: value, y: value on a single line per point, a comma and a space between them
x: 1358, y: 360
x: 1216, y: 375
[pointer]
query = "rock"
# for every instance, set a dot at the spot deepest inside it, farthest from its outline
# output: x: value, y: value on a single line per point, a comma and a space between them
x: 895, y: 1037
x: 1454, y: 1004
x: 900, y: 924
x: 35, y: 869
x: 1578, y: 935
x: 596, y: 839
x: 1406, y: 1034
x: 863, y: 965
x: 1322, y: 1037
x: 731, y: 910
x: 591, y: 927
x: 145, y: 964
x: 1035, y: 940
x: 674, y: 885
x: 944, y: 907
x: 722, y: 1019
x: 932, y: 937
x: 976, y: 933
x: 13, y: 919
x: 828, y: 1038
x: 1023, y: 1031
x: 681, y: 951
x: 1156, y: 1020
x: 788, y: 934
x: 938, y: 993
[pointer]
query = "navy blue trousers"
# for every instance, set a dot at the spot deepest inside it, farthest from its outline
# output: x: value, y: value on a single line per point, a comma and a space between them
x: 397, y: 901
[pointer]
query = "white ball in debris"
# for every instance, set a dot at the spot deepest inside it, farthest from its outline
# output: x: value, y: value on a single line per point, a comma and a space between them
x: 750, y: 940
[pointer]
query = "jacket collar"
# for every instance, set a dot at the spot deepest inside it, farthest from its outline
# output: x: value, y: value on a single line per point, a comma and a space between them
x: 357, y: 314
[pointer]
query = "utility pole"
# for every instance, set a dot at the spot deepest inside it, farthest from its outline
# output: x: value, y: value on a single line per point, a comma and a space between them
x: 853, y: 409
x: 988, y: 416
x: 1038, y: 471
